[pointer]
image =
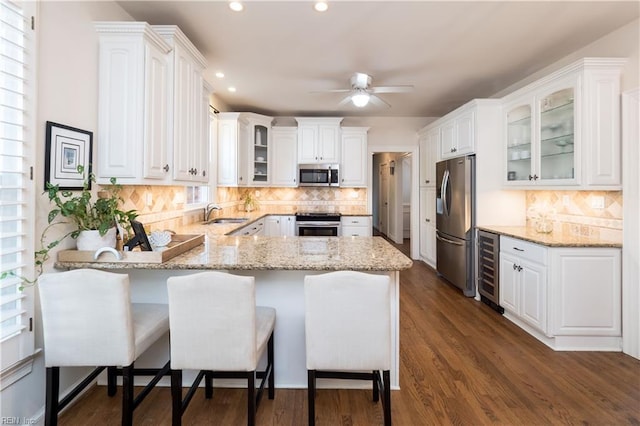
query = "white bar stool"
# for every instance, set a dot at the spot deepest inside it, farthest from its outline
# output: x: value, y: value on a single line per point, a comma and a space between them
x: 88, y: 320
x: 217, y: 328
x: 348, y: 332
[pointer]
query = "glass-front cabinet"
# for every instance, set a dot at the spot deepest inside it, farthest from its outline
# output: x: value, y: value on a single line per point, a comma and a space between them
x: 557, y: 154
x: 519, y: 137
x: 260, y: 154
x: 564, y: 129
x: 540, y: 139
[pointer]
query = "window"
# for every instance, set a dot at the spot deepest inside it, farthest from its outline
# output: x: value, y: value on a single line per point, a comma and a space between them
x: 17, y: 192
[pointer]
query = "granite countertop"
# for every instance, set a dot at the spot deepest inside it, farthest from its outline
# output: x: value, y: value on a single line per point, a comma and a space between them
x: 554, y: 239
x: 222, y: 252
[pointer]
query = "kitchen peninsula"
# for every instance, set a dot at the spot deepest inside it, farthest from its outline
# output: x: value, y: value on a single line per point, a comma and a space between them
x: 279, y: 265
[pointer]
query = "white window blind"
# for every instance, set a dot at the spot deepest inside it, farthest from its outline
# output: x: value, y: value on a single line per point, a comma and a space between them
x: 17, y: 199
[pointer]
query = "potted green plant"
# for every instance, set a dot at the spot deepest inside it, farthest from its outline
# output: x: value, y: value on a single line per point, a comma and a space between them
x: 95, y: 220
x: 98, y: 216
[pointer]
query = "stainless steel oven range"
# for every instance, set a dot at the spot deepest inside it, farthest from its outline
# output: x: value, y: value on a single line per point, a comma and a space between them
x: 317, y: 224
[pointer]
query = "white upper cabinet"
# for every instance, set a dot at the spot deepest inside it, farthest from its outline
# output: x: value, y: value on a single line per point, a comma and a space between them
x: 318, y: 140
x: 243, y: 149
x: 284, y: 143
x: 151, y: 108
x: 353, y: 170
x: 133, y: 104
x: 189, y: 141
x: 428, y: 141
x: 564, y: 130
x: 457, y: 136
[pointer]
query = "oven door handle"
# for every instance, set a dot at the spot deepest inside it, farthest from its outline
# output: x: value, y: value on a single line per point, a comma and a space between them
x: 327, y: 224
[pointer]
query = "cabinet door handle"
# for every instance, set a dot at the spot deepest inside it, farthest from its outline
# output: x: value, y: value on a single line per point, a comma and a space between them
x: 240, y: 178
x: 427, y: 220
x: 519, y: 268
x: 204, y: 173
x: 195, y: 171
x: 515, y: 266
x: 535, y: 177
x: 427, y: 181
x: 166, y: 168
x: 519, y: 249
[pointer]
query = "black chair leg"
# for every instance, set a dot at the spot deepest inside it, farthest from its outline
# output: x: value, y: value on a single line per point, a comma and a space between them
x: 112, y: 380
x: 127, y: 395
x: 311, y: 396
x: 376, y: 391
x: 270, y: 359
x: 176, y: 397
x: 387, y: 397
x: 251, y: 398
x: 51, y: 397
x: 208, y: 385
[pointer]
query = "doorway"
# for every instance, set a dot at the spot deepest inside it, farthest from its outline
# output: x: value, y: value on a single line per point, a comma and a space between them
x: 391, y: 196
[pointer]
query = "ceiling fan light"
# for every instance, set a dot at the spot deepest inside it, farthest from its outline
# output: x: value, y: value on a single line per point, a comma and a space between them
x: 360, y: 99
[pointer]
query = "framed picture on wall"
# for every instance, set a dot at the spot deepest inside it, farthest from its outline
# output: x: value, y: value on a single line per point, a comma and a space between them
x: 66, y: 149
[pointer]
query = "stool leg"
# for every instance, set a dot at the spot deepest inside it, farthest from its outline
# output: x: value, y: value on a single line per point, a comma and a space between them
x: 51, y: 398
x: 176, y: 397
x: 251, y: 398
x: 208, y: 385
x: 387, y: 397
x: 270, y: 356
x: 127, y: 395
x: 311, y: 396
x: 376, y: 392
x: 112, y: 380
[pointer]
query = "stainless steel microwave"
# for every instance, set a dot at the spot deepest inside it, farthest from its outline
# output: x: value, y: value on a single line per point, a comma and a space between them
x: 318, y: 175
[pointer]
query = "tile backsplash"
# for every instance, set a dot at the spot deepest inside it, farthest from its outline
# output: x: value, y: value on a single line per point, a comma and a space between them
x: 163, y: 207
x: 587, y: 213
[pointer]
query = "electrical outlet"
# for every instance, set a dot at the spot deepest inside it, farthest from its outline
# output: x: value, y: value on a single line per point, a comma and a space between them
x: 149, y: 199
x: 566, y: 200
x: 597, y: 202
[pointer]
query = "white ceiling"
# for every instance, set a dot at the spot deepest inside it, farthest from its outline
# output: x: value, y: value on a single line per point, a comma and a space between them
x: 276, y: 53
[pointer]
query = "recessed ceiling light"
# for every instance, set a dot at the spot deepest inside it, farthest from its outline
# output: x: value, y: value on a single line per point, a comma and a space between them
x: 321, y: 6
x: 236, y: 6
x: 220, y: 74
x: 232, y: 89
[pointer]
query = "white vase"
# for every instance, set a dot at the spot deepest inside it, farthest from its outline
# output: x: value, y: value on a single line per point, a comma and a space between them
x: 92, y: 240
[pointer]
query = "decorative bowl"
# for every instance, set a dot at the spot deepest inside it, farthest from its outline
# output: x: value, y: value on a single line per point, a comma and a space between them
x: 160, y: 238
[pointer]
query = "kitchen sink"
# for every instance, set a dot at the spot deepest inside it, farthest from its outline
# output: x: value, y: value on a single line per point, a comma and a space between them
x: 222, y: 220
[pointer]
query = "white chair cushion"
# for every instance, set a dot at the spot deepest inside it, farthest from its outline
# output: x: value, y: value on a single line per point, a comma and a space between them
x: 88, y: 320
x: 347, y: 321
x: 150, y: 322
x: 265, y: 323
x: 214, y: 322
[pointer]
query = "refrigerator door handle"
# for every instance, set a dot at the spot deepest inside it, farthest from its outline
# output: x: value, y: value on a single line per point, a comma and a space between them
x: 446, y: 240
x: 445, y: 192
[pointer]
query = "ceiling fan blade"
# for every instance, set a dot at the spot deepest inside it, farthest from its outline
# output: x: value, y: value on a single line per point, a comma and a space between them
x: 331, y: 91
x: 392, y: 89
x: 345, y: 101
x: 378, y: 101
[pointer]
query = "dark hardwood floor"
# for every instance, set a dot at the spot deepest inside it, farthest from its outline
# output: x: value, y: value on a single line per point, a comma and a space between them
x: 460, y: 363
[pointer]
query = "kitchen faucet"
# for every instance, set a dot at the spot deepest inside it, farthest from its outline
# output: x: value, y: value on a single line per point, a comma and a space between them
x: 209, y: 209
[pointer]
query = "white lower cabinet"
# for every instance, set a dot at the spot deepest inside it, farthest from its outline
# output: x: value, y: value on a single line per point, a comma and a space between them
x: 254, y: 228
x: 355, y: 226
x: 428, y: 225
x: 280, y: 226
x: 569, y: 298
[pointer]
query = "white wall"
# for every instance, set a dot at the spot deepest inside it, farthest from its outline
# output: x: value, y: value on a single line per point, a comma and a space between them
x: 67, y: 94
x: 621, y: 43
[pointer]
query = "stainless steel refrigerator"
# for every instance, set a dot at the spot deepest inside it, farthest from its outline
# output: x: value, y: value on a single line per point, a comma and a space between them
x: 455, y: 222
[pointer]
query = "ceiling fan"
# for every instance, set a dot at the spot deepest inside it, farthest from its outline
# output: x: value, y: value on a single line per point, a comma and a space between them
x: 361, y: 91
